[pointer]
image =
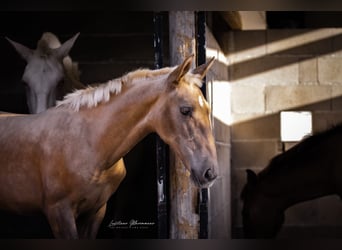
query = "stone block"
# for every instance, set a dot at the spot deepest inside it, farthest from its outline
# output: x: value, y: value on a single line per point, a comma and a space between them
x: 239, y: 118
x: 337, y: 42
x: 266, y: 127
x: 218, y: 72
x: 299, y: 42
x: 247, y: 45
x: 329, y: 70
x: 223, y: 158
x: 247, y: 99
x: 265, y: 70
x: 297, y: 97
x: 336, y: 103
x: 308, y: 71
x: 249, y: 154
x: 336, y: 97
x: 221, y: 131
x: 325, y: 120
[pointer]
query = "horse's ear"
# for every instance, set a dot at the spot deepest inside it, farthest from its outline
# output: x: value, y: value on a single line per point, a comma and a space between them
x: 65, y: 48
x: 203, y: 69
x: 180, y: 71
x: 251, y: 177
x: 23, y: 51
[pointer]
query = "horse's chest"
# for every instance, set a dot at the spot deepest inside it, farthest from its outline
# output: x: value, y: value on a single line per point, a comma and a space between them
x: 101, y: 187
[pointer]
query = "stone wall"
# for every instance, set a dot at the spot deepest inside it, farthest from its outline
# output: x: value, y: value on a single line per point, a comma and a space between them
x: 271, y: 71
x: 218, y: 92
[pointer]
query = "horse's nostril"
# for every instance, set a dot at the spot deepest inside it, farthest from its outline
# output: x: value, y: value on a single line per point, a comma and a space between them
x: 209, y: 174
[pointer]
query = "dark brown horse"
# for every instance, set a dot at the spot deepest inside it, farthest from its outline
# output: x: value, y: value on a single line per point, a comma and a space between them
x: 66, y: 162
x: 309, y: 170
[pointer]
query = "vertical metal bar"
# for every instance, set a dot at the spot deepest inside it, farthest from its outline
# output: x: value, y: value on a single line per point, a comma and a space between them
x: 201, y: 43
x: 161, y: 147
x: 204, y: 213
x: 201, y: 58
x: 158, y: 40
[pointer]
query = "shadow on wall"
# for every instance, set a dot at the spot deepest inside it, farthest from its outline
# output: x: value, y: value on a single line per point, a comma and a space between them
x: 255, y: 142
x: 263, y: 46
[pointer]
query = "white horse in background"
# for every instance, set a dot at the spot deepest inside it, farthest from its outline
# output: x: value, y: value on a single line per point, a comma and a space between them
x: 50, y: 73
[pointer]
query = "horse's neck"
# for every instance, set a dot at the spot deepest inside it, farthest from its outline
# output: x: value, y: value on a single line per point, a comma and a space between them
x: 123, y: 121
x: 296, y: 187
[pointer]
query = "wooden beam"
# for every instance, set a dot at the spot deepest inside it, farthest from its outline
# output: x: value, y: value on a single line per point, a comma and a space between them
x: 184, y: 221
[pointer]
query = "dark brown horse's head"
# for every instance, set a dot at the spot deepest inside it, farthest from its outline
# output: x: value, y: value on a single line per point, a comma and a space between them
x: 185, y: 124
x: 261, y: 217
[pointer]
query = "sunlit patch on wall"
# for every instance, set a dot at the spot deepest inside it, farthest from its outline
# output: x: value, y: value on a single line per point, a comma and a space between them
x: 295, y: 125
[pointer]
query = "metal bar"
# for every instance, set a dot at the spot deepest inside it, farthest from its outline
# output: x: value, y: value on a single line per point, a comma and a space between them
x: 161, y: 147
x: 158, y: 40
x: 201, y: 58
x: 201, y: 43
x: 203, y: 212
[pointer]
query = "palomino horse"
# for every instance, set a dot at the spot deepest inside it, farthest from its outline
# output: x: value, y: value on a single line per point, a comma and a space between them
x: 309, y: 170
x: 49, y: 73
x: 65, y: 162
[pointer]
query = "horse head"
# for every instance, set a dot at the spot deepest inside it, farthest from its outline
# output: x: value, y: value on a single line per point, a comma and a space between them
x: 44, y: 70
x: 185, y: 124
x: 261, y: 217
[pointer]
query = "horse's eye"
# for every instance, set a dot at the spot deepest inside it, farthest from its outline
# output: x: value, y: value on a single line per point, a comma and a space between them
x: 186, y: 110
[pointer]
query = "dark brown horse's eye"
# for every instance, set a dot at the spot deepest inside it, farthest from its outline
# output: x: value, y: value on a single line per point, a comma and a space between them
x: 186, y: 110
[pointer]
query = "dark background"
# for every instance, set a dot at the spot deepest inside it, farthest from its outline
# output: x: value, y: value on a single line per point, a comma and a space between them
x: 110, y: 44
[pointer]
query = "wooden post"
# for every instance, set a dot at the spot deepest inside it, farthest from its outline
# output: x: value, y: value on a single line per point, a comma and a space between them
x: 184, y: 220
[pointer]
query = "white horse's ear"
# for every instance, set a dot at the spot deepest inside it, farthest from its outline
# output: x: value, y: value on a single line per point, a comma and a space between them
x: 180, y: 71
x: 24, y: 51
x: 65, y: 48
x: 203, y: 69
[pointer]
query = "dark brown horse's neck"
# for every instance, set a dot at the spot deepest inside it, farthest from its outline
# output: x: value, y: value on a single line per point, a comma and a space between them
x: 123, y: 121
x: 295, y: 190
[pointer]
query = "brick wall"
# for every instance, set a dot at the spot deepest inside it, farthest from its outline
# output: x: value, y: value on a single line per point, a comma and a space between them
x: 271, y: 71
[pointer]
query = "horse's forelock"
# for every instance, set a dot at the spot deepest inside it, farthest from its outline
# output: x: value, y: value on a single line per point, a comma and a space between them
x: 50, y: 40
x: 47, y: 43
x: 194, y: 79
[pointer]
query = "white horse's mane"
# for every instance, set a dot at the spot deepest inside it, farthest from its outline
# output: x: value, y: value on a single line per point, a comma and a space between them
x: 93, y: 95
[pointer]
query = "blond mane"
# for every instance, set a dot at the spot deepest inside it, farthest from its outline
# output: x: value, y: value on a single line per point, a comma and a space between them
x: 100, y: 93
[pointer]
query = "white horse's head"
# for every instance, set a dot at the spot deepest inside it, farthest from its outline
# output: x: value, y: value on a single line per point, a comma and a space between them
x: 44, y: 70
